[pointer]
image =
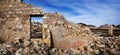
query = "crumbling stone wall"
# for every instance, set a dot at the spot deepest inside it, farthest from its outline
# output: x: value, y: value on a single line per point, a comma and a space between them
x: 66, y: 34
x: 15, y: 18
x: 57, y: 31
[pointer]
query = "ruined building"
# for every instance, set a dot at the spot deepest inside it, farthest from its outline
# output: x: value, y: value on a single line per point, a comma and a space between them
x: 15, y: 19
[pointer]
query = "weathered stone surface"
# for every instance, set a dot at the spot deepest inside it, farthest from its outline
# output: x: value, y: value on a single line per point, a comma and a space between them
x: 14, y: 19
x: 64, y: 34
x: 56, y: 30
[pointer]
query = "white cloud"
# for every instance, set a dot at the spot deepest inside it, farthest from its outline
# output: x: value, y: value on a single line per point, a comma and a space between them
x: 90, y: 11
x: 98, y: 13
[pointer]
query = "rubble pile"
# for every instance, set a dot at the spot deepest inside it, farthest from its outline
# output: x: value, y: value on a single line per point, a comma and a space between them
x: 102, y: 46
x: 24, y: 47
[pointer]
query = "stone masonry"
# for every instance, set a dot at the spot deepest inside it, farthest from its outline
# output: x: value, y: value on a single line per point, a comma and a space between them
x: 15, y: 18
x: 57, y: 31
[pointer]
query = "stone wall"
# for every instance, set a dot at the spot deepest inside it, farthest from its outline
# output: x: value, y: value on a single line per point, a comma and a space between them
x: 57, y: 31
x: 66, y: 34
x: 15, y: 19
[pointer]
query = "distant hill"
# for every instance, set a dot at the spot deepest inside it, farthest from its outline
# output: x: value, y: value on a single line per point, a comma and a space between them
x: 89, y: 26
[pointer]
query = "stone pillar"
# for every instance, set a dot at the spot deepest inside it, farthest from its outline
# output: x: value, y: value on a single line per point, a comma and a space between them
x: 110, y: 30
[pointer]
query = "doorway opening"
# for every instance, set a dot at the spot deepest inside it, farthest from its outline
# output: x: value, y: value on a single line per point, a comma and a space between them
x: 36, y: 26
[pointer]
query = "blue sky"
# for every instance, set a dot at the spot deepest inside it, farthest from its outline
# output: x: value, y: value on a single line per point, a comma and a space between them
x: 95, y: 12
x: 36, y: 19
